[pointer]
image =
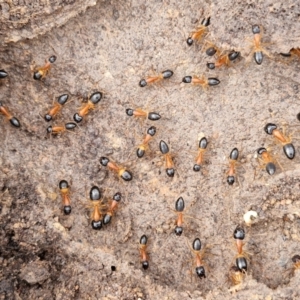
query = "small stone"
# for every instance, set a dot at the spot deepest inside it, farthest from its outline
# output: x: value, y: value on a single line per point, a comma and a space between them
x: 35, y: 272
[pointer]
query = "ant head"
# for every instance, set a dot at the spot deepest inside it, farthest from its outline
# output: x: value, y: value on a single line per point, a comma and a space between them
x: 104, y: 161
x: 261, y: 150
x: 37, y: 75
x: 187, y: 79
x: 52, y: 59
x: 270, y: 127
x: 67, y: 209
x: 126, y: 175
x: 230, y: 180
x: 170, y: 172
x: 296, y: 258
x: 77, y: 118
x: 117, y: 197
x: 48, y: 117
x: 49, y: 129
x: 97, y: 225
x: 239, y: 233
x: 143, y: 83
x: 255, y: 29
x: 63, y: 184
x: 145, y: 265
x: 189, y: 41
x: 211, y: 66
x: 129, y: 112
x: 197, y: 168
x: 151, y: 131
x: 200, y: 271
x: 95, y: 193
x: 206, y: 22
x: 178, y: 230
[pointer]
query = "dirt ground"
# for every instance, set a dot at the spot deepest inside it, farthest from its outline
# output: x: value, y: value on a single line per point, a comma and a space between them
x: 47, y: 255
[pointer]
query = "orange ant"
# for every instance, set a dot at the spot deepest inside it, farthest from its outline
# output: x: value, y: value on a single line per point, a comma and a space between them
x: 56, y: 107
x: 204, y: 82
x: 113, y: 206
x: 60, y: 129
x: 157, y: 78
x: 268, y: 160
x: 224, y: 60
x: 179, y: 207
x: 13, y: 120
x: 138, y: 112
x: 199, y: 32
x: 234, y: 154
x: 3, y: 74
x: 143, y: 252
x: 65, y: 194
x: 121, y: 171
x: 258, y: 49
x: 293, y: 52
x: 144, y: 146
x: 201, y: 151
x: 286, y: 142
x: 42, y: 72
x: 200, y: 271
x: 97, y: 205
x: 169, y: 164
x: 86, y: 107
x: 240, y: 260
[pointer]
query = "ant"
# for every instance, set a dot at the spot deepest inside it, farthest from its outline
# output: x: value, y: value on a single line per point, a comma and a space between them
x: 144, y: 146
x: 233, y: 157
x: 138, y: 112
x: 268, y: 160
x: 3, y: 74
x: 240, y: 259
x: 157, y: 78
x: 201, y: 151
x: 42, y: 72
x: 121, y: 171
x: 223, y: 60
x: 200, y: 271
x: 258, y: 49
x: 169, y: 164
x: 86, y: 107
x: 179, y: 207
x: 293, y: 52
x: 13, y: 120
x: 56, y: 107
x: 60, y: 129
x: 65, y: 194
x: 113, y: 206
x: 204, y: 82
x: 97, y: 205
x: 199, y: 32
x: 286, y: 142
x: 143, y: 252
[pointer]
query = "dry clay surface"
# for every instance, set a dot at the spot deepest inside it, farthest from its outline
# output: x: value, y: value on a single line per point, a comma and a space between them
x: 46, y: 255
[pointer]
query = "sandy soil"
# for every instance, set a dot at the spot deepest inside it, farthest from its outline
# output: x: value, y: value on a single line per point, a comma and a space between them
x: 111, y: 47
